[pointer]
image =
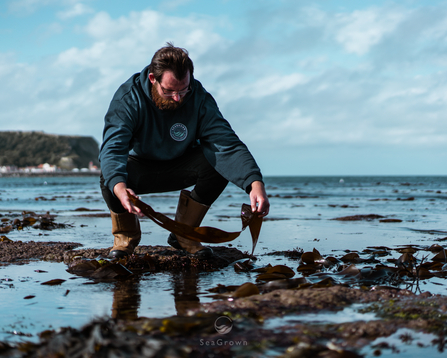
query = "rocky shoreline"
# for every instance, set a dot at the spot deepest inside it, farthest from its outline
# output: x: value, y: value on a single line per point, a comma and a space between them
x: 50, y: 174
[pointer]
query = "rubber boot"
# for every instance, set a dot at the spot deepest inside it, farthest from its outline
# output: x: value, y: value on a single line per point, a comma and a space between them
x: 190, y: 212
x: 127, y: 232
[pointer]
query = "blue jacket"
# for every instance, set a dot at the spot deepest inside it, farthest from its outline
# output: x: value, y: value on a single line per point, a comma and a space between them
x: 135, y: 126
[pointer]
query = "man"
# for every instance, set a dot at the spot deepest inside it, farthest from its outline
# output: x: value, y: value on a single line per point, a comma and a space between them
x: 164, y: 132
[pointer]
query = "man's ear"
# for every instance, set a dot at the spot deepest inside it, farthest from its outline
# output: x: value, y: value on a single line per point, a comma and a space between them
x: 152, y: 78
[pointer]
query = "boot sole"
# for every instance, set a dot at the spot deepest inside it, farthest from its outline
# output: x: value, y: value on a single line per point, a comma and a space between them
x: 118, y: 254
x: 205, y: 253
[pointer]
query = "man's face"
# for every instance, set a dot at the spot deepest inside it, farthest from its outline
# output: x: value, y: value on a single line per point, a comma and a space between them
x: 170, y: 92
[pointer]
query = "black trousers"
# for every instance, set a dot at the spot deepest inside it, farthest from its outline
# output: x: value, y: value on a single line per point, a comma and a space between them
x: 152, y: 176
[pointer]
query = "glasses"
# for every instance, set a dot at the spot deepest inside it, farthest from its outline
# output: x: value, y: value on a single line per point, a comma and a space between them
x: 171, y: 93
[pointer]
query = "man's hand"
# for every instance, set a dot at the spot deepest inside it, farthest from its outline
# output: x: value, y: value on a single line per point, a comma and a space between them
x: 121, y: 191
x: 258, y: 199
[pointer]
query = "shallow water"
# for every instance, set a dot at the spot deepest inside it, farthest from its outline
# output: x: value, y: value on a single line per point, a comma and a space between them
x: 348, y: 314
x: 419, y: 345
x: 300, y: 217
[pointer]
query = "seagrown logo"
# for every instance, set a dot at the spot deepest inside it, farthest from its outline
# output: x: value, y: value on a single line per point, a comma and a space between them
x: 179, y: 132
x: 223, y: 325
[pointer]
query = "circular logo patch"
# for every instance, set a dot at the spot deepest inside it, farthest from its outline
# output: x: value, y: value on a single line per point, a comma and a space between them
x: 179, y: 132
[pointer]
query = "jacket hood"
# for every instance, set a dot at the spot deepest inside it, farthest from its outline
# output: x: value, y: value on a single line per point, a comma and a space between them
x: 146, y: 85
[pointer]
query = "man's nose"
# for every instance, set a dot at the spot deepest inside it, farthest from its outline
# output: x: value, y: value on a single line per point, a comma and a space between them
x: 176, y: 97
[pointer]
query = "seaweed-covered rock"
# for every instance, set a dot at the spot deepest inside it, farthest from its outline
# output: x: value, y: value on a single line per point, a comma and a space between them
x: 21, y: 252
x: 153, y: 259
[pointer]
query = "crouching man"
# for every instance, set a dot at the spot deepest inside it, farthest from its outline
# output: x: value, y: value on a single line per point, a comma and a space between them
x: 164, y: 132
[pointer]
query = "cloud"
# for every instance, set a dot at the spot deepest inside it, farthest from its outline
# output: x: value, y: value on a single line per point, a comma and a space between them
x: 299, y: 76
x: 132, y: 40
x: 360, y: 30
x: 76, y: 9
x: 355, y: 94
x: 70, y: 92
x: 27, y: 7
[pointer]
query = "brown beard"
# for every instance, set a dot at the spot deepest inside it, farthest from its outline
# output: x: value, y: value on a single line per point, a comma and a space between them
x: 165, y: 104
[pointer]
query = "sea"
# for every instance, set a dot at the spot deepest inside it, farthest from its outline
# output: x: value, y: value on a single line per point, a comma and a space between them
x: 302, y: 213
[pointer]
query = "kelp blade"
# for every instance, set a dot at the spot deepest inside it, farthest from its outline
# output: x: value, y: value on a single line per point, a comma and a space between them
x: 204, y: 234
x: 253, y: 221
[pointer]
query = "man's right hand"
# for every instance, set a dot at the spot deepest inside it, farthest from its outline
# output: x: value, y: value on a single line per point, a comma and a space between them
x: 121, y: 190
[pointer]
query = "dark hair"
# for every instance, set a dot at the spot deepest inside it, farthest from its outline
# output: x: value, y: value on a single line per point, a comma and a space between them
x: 171, y: 58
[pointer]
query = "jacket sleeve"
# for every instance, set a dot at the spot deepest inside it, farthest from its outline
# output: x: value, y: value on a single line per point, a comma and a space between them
x: 120, y: 121
x: 223, y: 148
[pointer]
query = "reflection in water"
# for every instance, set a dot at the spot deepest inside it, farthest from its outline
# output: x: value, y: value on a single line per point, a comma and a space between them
x: 127, y: 297
x: 185, y: 292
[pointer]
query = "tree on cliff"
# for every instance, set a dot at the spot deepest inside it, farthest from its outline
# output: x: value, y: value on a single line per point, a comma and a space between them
x: 24, y: 149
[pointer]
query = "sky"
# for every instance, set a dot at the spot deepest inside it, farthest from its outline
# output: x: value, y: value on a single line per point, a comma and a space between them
x: 323, y: 87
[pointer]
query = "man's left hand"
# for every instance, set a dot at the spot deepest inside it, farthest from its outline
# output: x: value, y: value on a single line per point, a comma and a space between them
x: 258, y: 199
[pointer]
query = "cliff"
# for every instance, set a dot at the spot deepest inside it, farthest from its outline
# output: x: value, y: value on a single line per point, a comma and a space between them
x: 24, y: 149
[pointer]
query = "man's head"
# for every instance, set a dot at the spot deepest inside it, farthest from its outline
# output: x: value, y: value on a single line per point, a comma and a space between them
x: 170, y: 58
x: 171, y: 70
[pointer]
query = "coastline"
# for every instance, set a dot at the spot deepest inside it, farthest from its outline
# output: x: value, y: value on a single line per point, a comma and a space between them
x: 50, y: 174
